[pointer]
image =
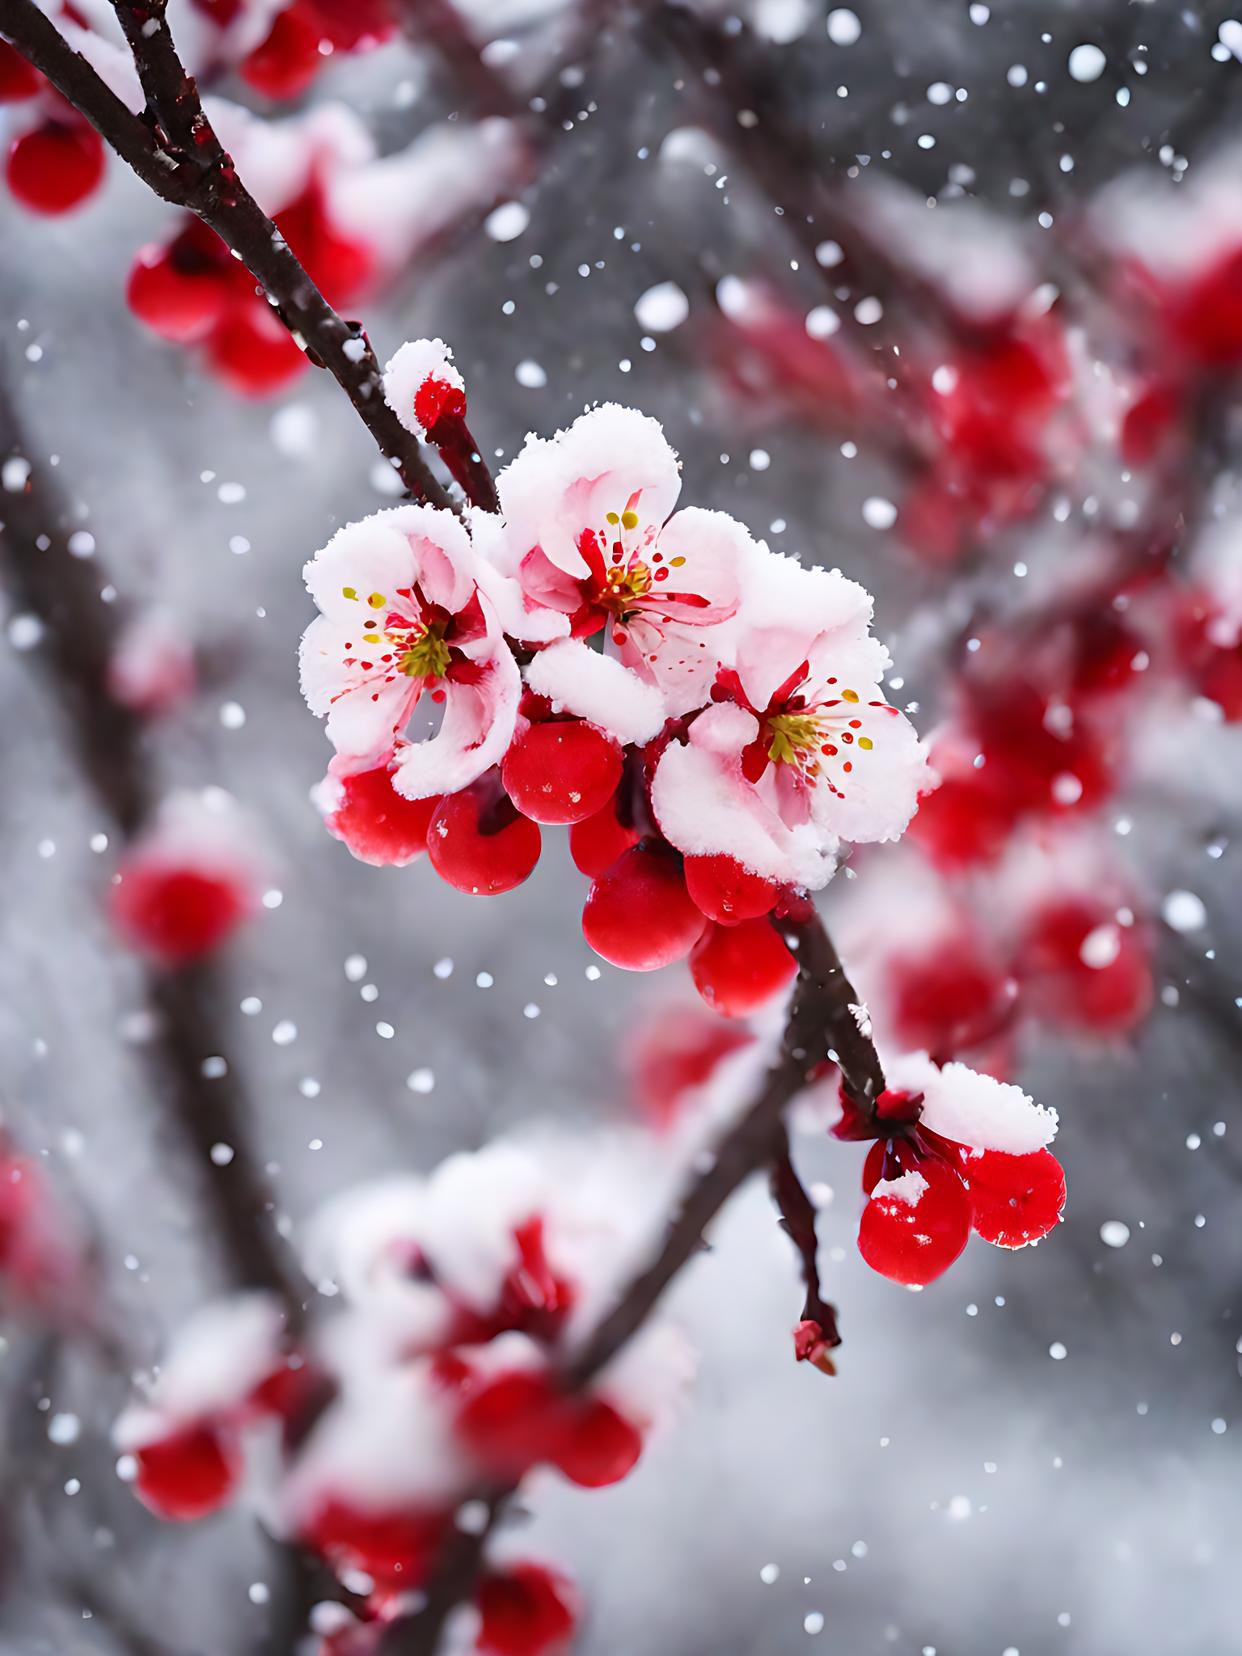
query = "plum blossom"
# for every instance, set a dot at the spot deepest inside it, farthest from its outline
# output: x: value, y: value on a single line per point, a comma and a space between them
x: 403, y: 613
x: 799, y: 749
x: 589, y: 534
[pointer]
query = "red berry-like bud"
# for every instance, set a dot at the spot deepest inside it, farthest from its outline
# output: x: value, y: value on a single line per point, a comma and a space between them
x: 948, y: 999
x: 1016, y: 1199
x: 913, y: 1228
x: 479, y: 843
x: 175, y: 913
x: 187, y: 1475
x: 598, y: 1446
x: 873, y: 1166
x: 179, y: 296
x: 639, y: 914
x: 513, y: 1420
x: 526, y: 1610
x: 964, y: 822
x: 18, y: 79
x: 289, y: 59
x: 395, y: 1548
x: 596, y: 843
x: 54, y: 167
x: 727, y: 892
x: 561, y: 772
x: 379, y: 825
x: 737, y: 968
x: 435, y: 399
x: 252, y: 350
x: 1081, y: 968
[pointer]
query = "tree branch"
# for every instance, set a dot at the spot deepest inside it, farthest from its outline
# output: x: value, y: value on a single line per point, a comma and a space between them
x: 177, y: 154
x: 63, y: 591
x: 797, y: 1213
x: 822, y: 1026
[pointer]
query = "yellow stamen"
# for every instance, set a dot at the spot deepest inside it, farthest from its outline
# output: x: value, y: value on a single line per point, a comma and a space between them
x: 426, y: 658
x: 794, y: 737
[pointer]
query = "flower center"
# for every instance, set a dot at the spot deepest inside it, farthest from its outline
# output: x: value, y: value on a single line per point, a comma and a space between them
x: 794, y: 737
x: 805, y: 736
x: 623, y: 587
x: 418, y: 644
x: 424, y: 654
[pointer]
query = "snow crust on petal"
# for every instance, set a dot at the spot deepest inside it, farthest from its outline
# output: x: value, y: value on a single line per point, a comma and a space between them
x: 908, y: 1188
x: 518, y: 612
x: 579, y: 680
x: 975, y: 1109
x: 371, y: 555
x: 611, y: 459
x: 474, y: 735
x: 216, y: 1359
x: 706, y: 807
x: 417, y: 361
x: 718, y: 553
x: 778, y: 591
x: 885, y: 784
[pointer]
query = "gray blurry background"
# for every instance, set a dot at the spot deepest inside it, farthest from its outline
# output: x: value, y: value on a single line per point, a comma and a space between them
x: 956, y: 1489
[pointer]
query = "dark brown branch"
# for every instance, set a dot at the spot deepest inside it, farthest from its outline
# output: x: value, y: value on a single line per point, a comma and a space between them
x: 109, y: 743
x: 177, y: 154
x: 797, y: 1213
x: 822, y: 1026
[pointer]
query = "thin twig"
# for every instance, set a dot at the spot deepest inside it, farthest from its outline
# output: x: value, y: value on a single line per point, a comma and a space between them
x: 797, y: 1213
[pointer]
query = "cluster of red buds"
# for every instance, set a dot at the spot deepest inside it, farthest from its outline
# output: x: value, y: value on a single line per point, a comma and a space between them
x: 358, y: 1440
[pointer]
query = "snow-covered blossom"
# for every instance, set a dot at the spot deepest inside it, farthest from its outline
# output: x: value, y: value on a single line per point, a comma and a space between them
x: 402, y: 613
x: 800, y: 750
x: 589, y: 534
x: 578, y: 680
x: 704, y: 716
